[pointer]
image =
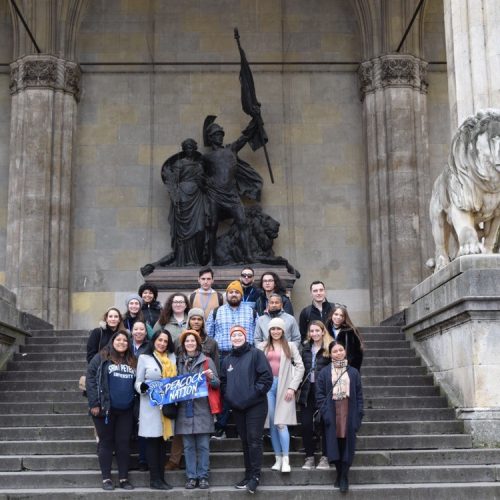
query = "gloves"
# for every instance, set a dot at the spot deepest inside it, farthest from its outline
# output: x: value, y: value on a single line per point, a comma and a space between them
x: 144, y: 387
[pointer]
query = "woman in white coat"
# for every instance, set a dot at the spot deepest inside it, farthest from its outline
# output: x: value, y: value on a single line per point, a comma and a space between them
x: 288, y: 370
x: 156, y: 363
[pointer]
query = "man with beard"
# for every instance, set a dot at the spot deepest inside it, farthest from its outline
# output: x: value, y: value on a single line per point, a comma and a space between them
x: 275, y: 310
x: 218, y: 326
x: 319, y: 310
x: 250, y: 292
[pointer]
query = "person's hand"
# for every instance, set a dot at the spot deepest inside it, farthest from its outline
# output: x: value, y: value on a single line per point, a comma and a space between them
x: 95, y: 411
x: 209, y: 374
x: 144, y: 387
x: 289, y: 395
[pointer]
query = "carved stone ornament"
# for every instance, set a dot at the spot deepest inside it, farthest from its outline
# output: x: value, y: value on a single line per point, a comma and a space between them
x: 392, y: 70
x: 45, y: 71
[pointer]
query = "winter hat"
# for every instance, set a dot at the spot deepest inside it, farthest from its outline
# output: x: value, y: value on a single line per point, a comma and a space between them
x: 237, y: 328
x: 133, y: 296
x: 195, y: 311
x: 276, y: 322
x: 148, y: 286
x: 235, y: 285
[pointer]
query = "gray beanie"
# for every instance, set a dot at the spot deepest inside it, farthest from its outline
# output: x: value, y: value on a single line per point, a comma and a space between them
x: 132, y: 297
x: 196, y: 311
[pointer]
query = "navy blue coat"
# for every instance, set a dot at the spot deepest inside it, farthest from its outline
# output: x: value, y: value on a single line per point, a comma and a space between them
x: 326, y: 406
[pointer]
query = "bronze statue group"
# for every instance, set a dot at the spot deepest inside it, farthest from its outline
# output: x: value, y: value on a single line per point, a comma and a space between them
x: 269, y: 371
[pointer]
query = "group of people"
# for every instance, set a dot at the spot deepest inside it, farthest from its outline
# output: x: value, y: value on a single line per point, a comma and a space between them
x: 251, y: 349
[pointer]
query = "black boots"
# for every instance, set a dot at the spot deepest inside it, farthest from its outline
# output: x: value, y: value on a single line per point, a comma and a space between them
x: 344, y: 480
x: 338, y: 468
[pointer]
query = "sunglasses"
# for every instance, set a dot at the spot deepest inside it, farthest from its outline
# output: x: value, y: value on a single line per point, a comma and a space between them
x: 340, y: 305
x: 246, y: 275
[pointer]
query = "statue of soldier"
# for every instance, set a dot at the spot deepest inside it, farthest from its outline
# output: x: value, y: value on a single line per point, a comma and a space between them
x: 228, y: 178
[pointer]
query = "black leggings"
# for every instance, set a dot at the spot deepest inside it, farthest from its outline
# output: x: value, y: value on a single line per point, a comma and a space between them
x: 156, y: 454
x: 307, y: 413
x: 114, y: 435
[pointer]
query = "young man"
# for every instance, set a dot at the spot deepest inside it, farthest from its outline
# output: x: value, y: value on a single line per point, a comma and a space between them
x: 319, y: 309
x: 218, y: 326
x: 275, y: 310
x: 250, y: 292
x: 206, y: 297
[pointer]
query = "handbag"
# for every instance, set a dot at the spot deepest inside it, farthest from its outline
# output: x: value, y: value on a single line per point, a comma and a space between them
x: 81, y: 385
x: 170, y: 410
x: 214, y: 396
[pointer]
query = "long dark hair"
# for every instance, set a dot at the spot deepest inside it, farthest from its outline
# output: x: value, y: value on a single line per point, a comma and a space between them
x: 105, y: 318
x: 167, y: 311
x: 109, y: 352
x: 269, y: 345
x: 151, y: 346
x: 346, y: 324
x: 278, y: 284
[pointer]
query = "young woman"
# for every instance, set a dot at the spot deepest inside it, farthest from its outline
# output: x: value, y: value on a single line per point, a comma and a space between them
x: 133, y: 312
x: 151, y: 308
x: 156, y: 363
x: 112, y: 321
x: 315, y: 356
x: 343, y: 330
x: 339, y: 398
x: 196, y: 322
x: 110, y: 391
x: 246, y: 377
x: 173, y: 316
x: 271, y: 283
x: 288, y: 370
x: 194, y: 420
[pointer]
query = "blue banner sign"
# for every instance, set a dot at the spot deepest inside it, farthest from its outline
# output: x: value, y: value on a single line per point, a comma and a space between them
x: 174, y: 389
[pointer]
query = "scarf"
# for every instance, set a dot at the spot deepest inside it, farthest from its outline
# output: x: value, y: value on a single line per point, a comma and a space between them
x: 340, y: 380
x: 167, y: 370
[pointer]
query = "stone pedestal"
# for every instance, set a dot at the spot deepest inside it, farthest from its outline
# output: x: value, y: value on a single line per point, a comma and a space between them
x: 454, y: 323
x: 394, y: 90
x: 44, y: 94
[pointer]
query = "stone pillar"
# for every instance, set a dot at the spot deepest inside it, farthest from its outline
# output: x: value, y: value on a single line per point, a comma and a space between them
x: 472, y: 29
x: 44, y: 92
x: 393, y: 89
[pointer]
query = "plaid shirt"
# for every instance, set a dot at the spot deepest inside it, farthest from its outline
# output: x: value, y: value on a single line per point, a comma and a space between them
x: 226, y: 318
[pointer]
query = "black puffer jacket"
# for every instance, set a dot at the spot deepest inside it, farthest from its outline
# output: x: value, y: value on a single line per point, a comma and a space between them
x: 151, y: 312
x: 98, y: 338
x: 246, y: 377
x: 307, y: 358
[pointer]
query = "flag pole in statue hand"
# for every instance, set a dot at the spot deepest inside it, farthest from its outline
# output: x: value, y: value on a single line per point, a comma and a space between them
x: 250, y: 104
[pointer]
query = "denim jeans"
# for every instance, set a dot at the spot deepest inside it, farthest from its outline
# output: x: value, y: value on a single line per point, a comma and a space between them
x: 280, y: 437
x: 197, y: 455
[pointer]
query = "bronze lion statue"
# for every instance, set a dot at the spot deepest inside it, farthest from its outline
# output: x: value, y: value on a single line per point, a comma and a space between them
x: 465, y: 200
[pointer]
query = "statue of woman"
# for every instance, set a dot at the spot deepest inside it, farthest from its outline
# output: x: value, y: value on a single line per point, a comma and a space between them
x: 184, y: 176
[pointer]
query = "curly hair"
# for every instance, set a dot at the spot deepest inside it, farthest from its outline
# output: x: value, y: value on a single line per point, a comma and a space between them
x: 168, y: 311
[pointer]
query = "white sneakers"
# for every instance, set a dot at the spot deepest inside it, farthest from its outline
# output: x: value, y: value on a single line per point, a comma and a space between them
x: 282, y: 464
x: 323, y: 463
x: 277, y: 464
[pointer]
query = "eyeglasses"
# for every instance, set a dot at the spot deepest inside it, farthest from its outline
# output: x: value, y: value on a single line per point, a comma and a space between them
x: 246, y: 275
x: 178, y: 302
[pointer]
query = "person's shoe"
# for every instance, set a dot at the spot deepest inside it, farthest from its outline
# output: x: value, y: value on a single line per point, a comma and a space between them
x: 108, y: 485
x: 125, y: 485
x: 344, y: 480
x: 143, y: 467
x: 158, y: 484
x: 242, y: 484
x: 309, y: 463
x: 252, y: 485
x: 285, y: 464
x: 190, y: 484
x: 277, y: 464
x: 219, y: 434
x: 323, y: 464
x: 203, y: 484
x: 172, y: 466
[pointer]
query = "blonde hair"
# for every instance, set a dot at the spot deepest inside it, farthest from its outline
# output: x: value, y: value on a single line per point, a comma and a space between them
x: 327, y: 338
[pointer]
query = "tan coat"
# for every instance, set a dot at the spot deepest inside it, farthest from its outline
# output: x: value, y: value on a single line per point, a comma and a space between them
x: 289, y: 377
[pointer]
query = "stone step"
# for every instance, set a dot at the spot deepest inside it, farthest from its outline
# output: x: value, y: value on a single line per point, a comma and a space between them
x: 60, y: 333
x: 44, y: 420
x: 423, y: 491
x: 47, y: 407
x: 393, y: 391
x: 411, y: 427
x: 235, y: 459
x: 298, y: 476
x: 394, y: 380
x: 80, y: 340
x: 50, y: 356
x: 406, y: 414
x: 37, y: 375
x: 372, y: 352
x: 397, y: 403
x: 378, y: 361
x: 36, y: 385
x: 47, y: 366
x: 41, y: 396
x: 375, y: 329
x: 386, y: 344
x: 58, y: 348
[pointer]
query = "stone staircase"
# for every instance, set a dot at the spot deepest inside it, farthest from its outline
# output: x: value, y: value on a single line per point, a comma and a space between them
x: 410, y: 445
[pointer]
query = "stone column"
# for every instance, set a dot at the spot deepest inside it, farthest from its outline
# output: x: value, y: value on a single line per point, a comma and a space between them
x: 44, y: 92
x: 393, y: 89
x: 472, y: 29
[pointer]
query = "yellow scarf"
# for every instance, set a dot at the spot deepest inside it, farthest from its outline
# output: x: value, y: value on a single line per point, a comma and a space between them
x: 167, y: 370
